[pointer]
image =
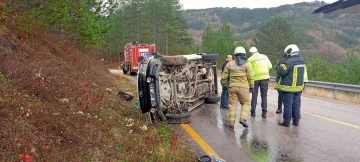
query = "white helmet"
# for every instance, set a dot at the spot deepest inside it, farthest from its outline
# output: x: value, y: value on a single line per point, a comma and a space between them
x: 292, y: 49
x: 253, y: 50
x: 239, y: 50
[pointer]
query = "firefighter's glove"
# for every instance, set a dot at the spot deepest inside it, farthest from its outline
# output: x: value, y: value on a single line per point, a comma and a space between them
x: 251, y: 90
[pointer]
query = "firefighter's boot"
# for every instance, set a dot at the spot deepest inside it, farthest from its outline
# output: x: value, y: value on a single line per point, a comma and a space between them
x: 253, y: 113
x: 264, y: 113
x: 243, y: 122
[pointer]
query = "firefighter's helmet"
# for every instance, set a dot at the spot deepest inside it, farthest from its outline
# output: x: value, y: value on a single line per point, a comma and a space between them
x: 239, y: 50
x: 253, y: 50
x: 292, y: 49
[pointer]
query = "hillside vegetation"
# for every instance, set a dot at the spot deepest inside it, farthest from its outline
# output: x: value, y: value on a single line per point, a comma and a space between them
x: 58, y: 102
x: 329, y: 43
x: 329, y: 35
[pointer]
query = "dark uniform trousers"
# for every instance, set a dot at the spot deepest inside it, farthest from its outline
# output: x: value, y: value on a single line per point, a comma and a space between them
x: 263, y: 85
x: 279, y: 100
x: 291, y: 101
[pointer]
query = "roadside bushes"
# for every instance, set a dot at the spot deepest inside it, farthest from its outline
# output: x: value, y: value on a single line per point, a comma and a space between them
x: 346, y: 72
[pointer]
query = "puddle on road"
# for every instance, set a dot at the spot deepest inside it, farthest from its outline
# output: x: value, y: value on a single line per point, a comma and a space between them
x: 261, y: 151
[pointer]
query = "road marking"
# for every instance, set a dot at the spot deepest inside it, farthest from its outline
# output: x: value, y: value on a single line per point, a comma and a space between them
x: 201, y: 142
x: 332, y: 120
x: 325, y: 118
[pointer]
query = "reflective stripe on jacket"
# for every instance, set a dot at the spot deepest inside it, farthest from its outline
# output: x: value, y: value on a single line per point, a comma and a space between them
x: 277, y: 66
x: 292, y: 74
x: 306, y: 77
x: 260, y: 65
x: 239, y: 76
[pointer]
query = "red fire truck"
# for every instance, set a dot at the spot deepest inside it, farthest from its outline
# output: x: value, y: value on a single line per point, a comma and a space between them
x: 131, y: 53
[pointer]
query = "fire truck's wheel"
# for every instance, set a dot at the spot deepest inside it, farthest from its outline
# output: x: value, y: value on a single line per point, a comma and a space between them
x: 124, y: 71
x: 212, y: 99
x: 210, y: 57
x: 173, y: 60
x: 178, y: 118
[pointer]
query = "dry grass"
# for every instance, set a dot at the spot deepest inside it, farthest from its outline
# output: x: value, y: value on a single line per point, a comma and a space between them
x: 346, y: 97
x: 59, y: 104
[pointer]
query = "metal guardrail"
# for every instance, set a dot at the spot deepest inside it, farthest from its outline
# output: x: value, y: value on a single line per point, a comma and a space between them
x: 331, y: 86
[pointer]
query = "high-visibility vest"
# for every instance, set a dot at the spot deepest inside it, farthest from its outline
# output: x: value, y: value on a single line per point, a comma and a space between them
x: 260, y: 66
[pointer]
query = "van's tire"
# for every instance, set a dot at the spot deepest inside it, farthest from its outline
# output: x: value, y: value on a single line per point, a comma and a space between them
x: 210, y: 57
x: 173, y: 60
x: 133, y: 73
x: 212, y: 99
x: 178, y: 118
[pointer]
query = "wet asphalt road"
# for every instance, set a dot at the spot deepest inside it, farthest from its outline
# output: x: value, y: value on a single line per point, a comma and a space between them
x: 328, y: 131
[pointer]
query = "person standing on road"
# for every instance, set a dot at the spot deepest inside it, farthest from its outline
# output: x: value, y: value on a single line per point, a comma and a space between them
x: 238, y: 73
x: 261, y: 65
x: 279, y: 109
x: 292, y: 74
x: 224, y: 93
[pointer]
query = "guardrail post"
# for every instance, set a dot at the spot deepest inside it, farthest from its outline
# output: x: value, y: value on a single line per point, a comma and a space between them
x: 334, y: 94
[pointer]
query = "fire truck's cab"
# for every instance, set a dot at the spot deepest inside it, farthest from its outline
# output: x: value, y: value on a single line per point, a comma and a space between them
x: 131, y: 54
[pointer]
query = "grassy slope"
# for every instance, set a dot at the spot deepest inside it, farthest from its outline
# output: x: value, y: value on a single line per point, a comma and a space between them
x: 36, y: 73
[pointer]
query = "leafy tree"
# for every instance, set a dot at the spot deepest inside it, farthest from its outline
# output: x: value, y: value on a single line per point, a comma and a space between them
x: 84, y: 21
x: 225, y: 41
x: 220, y: 42
x: 352, y: 67
x: 317, y: 67
x: 273, y: 36
x: 208, y: 39
x: 321, y: 69
x: 151, y: 21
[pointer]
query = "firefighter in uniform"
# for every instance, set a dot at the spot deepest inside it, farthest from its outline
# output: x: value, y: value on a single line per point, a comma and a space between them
x: 279, y: 109
x: 292, y: 74
x: 238, y: 73
x: 260, y: 65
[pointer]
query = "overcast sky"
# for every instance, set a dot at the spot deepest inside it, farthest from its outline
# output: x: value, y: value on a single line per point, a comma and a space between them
x: 201, y: 4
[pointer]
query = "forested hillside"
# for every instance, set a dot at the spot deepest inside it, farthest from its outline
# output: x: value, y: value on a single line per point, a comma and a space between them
x: 330, y: 35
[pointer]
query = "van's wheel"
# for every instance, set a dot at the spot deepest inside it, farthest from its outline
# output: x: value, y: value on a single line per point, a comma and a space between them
x: 210, y: 57
x: 178, y: 118
x: 212, y: 99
